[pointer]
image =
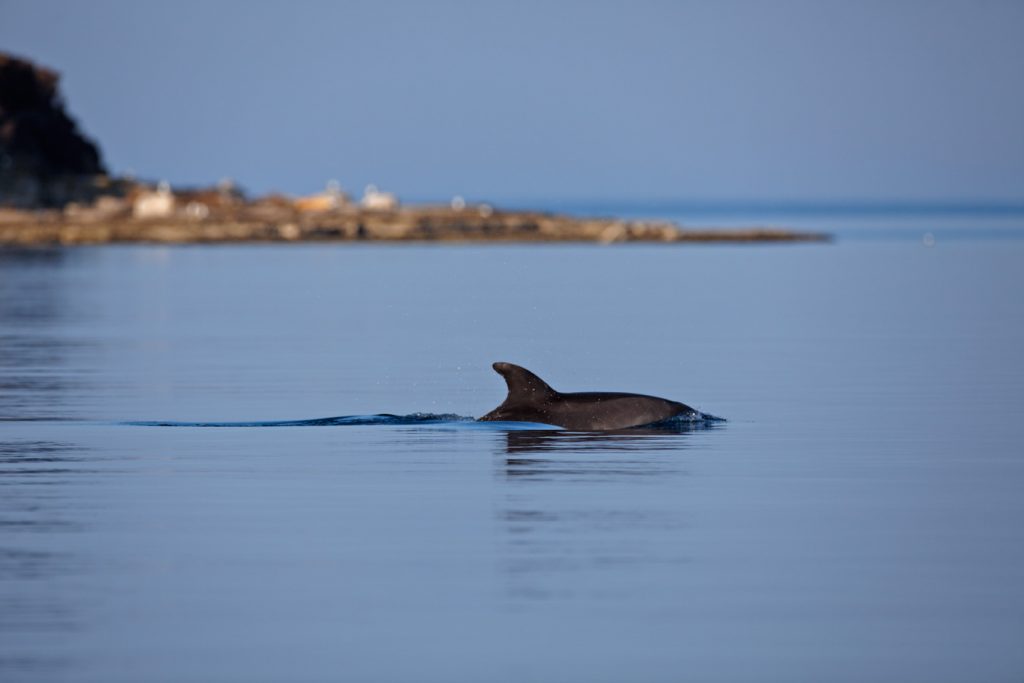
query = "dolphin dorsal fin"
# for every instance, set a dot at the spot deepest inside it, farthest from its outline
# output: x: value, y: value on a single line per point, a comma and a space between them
x: 523, y: 385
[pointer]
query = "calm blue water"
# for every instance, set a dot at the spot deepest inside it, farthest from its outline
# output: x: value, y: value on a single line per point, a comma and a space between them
x: 859, y: 516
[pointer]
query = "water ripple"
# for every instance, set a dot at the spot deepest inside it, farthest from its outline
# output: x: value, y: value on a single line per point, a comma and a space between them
x: 687, y: 422
x: 339, y: 421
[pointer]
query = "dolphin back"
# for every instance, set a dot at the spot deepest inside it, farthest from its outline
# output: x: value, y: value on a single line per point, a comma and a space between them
x: 530, y: 399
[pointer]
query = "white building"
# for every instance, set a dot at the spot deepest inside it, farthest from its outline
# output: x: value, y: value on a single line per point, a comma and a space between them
x: 157, y: 204
x: 381, y: 201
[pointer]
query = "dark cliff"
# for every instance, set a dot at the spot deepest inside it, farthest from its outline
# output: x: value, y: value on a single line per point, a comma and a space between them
x: 44, y: 159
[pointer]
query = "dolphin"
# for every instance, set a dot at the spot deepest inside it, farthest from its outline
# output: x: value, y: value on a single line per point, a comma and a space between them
x: 530, y: 399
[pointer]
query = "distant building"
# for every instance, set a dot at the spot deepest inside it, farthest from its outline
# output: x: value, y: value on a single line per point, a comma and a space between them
x: 154, y: 204
x: 377, y: 200
x: 330, y: 199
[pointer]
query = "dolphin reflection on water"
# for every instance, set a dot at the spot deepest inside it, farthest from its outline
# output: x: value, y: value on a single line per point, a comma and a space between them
x: 549, y: 452
x: 530, y: 399
x: 637, y: 439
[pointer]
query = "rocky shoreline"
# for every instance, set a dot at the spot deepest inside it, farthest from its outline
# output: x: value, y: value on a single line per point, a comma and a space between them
x: 405, y: 224
x: 57, y: 190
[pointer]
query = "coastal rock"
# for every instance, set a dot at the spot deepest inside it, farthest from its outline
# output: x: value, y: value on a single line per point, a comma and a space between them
x: 44, y: 159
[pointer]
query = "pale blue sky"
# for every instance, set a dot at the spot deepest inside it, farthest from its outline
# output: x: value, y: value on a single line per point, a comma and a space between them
x: 511, y: 101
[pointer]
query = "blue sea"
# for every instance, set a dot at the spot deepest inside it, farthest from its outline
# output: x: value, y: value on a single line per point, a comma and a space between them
x: 259, y: 463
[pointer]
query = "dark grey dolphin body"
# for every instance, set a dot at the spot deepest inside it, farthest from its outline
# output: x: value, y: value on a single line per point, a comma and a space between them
x: 530, y: 399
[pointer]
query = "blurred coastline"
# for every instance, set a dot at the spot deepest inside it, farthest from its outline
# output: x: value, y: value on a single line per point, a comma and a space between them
x: 55, y: 189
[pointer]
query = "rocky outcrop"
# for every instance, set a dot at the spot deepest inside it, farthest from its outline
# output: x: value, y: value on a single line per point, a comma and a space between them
x: 44, y: 159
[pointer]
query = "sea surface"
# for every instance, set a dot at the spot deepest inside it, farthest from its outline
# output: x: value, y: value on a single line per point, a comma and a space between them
x: 174, y: 506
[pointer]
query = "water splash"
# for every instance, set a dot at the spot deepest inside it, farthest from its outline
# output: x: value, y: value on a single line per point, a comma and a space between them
x: 694, y: 419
